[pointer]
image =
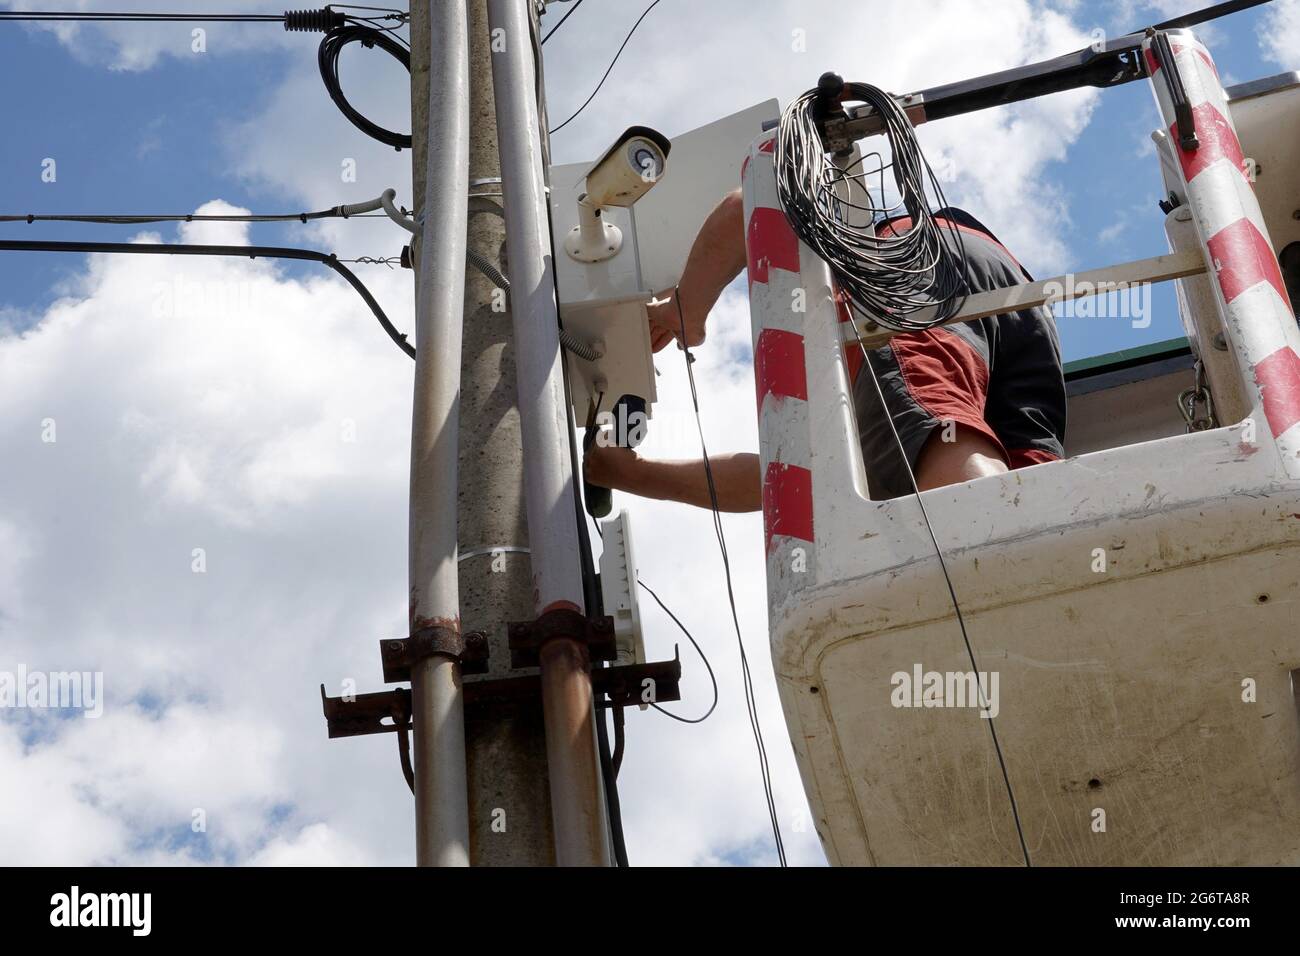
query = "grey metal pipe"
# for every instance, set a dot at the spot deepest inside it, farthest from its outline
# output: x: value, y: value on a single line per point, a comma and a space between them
x: 441, y: 798
x: 577, y: 805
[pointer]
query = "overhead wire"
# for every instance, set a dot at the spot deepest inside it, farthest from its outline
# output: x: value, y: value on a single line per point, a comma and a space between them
x: 608, y: 69
x: 337, y: 212
x: 751, y: 705
x: 570, y: 12
x: 239, y: 252
x: 88, y: 15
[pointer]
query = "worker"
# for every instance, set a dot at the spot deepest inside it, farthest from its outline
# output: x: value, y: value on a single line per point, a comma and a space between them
x: 968, y: 400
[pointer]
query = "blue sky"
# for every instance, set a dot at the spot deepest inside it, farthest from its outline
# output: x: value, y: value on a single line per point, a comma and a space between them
x: 208, y: 427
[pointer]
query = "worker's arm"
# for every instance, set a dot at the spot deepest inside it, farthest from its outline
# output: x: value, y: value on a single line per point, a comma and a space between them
x: 717, y: 256
x: 735, y: 477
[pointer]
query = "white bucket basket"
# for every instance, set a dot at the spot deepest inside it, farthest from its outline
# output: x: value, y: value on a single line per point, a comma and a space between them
x: 1136, y: 605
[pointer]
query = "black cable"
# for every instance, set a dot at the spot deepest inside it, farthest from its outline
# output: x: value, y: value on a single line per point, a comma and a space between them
x: 1209, y: 13
x: 698, y: 650
x: 750, y: 703
x: 690, y: 637
x: 328, y: 59
x: 905, y: 281
x: 608, y: 69
x: 868, y: 369
x: 144, y: 219
x: 551, y: 32
x: 404, y: 754
x: 618, y: 741
x: 141, y: 17
x: 239, y: 252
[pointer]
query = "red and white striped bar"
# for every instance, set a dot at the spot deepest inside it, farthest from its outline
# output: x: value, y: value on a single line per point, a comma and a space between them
x: 1259, y: 323
x: 780, y: 373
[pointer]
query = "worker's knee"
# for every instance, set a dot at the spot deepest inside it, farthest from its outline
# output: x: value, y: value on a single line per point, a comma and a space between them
x: 955, y: 453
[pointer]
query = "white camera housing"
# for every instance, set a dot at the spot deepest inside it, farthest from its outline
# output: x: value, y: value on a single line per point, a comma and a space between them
x: 626, y: 172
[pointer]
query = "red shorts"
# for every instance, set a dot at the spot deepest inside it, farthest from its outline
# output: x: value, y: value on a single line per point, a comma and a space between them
x: 999, y: 376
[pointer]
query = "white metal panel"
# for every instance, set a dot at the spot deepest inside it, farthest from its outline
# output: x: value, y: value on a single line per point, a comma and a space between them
x: 605, y: 301
x: 618, y: 587
x: 704, y: 166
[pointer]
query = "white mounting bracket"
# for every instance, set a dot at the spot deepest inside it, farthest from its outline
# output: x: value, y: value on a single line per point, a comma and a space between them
x: 592, y: 239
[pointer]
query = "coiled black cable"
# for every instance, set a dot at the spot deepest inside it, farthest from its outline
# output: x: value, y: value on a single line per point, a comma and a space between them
x: 328, y: 57
x: 907, y: 280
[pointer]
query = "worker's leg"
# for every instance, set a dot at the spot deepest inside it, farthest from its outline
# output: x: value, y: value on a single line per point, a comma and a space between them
x: 934, y: 384
x: 969, y: 454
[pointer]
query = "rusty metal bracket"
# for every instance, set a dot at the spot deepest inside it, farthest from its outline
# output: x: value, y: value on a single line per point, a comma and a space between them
x: 398, y: 654
x: 626, y: 685
x: 527, y: 637
x: 366, y: 713
x: 634, y: 685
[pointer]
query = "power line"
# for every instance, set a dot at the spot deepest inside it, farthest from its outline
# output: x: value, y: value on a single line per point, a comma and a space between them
x: 82, y: 15
x: 338, y: 212
x: 751, y: 705
x: 607, y: 71
x: 551, y: 32
x: 239, y: 252
x: 332, y: 13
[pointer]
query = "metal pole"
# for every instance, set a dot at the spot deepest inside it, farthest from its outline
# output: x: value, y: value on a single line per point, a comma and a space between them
x: 441, y: 802
x: 577, y: 801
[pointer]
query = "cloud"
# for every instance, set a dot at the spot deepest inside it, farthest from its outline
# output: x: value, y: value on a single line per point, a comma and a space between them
x: 210, y: 415
x: 1279, y: 33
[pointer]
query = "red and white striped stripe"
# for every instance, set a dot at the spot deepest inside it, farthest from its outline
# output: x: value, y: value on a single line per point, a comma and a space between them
x: 1258, y: 319
x: 780, y: 369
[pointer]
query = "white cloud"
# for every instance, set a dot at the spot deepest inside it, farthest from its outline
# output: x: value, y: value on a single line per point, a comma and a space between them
x: 1279, y: 33
x: 315, y: 845
x: 187, y: 423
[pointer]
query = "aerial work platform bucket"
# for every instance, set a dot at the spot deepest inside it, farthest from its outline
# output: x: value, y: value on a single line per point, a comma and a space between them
x: 1132, y: 611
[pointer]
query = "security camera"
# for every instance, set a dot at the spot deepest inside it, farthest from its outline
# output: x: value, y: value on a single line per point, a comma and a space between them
x: 625, y: 173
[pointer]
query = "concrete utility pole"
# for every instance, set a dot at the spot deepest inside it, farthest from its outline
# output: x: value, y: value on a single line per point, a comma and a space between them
x: 509, y: 781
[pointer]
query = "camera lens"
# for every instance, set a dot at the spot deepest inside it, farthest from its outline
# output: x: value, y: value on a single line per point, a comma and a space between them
x: 645, y: 158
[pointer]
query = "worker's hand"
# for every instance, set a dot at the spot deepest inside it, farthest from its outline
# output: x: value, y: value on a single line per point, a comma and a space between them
x: 608, y: 465
x: 666, y: 323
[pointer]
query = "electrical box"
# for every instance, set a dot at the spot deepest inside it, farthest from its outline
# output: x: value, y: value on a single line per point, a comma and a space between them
x: 618, y: 588
x: 604, y: 303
